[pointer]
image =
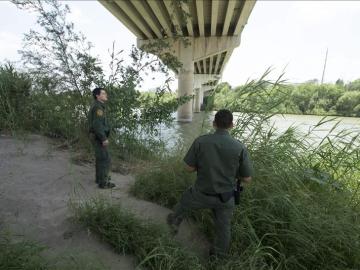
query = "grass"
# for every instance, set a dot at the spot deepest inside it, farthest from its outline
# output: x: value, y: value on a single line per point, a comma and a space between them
x: 21, y: 254
x: 295, y: 214
x: 150, y: 243
x: 302, y: 210
x: 167, y: 186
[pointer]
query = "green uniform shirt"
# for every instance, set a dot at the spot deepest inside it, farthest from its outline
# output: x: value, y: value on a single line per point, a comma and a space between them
x: 98, y: 123
x: 219, y: 160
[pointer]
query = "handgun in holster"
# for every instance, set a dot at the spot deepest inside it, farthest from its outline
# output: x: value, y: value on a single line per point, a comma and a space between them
x: 237, y: 191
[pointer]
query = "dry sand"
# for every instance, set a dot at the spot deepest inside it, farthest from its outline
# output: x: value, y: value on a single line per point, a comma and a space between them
x: 37, y: 181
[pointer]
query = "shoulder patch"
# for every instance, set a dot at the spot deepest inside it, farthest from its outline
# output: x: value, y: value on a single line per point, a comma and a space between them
x: 99, y: 112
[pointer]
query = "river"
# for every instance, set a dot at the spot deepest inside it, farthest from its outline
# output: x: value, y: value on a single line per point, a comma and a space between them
x: 186, y: 132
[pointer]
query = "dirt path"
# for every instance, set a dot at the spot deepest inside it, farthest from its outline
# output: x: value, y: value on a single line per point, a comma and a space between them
x: 37, y: 182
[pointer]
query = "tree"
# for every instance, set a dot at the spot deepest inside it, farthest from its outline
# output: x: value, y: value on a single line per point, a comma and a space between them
x: 15, y: 89
x: 339, y: 82
x: 348, y: 102
x: 58, y: 59
x: 58, y: 52
x: 302, y: 96
x: 325, y: 97
x: 354, y: 85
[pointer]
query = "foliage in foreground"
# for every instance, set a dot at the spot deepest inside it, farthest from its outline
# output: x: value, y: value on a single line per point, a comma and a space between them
x: 28, y: 255
x: 21, y: 255
x: 302, y: 209
x: 151, y: 244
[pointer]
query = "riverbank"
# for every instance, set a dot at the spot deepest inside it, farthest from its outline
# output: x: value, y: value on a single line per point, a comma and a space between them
x: 40, y: 182
x: 297, y: 196
x: 37, y: 182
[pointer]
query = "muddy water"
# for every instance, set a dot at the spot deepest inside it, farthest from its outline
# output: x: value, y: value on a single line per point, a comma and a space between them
x: 186, y: 132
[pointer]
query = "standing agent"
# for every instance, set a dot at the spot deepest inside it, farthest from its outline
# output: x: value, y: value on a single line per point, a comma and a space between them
x: 218, y: 160
x: 99, y: 133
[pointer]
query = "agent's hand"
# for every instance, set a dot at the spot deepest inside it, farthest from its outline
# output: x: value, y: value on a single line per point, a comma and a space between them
x: 246, y: 180
x: 105, y: 143
x: 190, y: 168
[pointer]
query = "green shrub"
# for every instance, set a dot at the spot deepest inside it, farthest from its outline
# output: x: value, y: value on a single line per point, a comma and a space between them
x: 348, y: 102
x: 23, y: 254
x: 58, y: 115
x: 168, y: 181
x: 151, y: 244
x: 14, y: 98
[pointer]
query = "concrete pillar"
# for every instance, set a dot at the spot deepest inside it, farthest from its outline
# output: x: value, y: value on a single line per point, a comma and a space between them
x: 197, y: 100
x: 185, y: 81
x: 201, y: 96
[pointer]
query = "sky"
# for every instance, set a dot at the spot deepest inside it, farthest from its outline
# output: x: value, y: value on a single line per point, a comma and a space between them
x: 288, y: 36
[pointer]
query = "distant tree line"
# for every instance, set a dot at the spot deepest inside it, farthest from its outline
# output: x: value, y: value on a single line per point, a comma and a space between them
x: 306, y: 98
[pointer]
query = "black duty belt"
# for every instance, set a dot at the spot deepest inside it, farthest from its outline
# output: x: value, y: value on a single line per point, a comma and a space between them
x: 210, y: 194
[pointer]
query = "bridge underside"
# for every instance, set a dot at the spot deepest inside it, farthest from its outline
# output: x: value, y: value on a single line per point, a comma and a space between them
x: 213, y: 27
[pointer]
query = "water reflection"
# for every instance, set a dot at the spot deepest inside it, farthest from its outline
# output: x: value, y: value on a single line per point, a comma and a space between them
x: 182, y: 134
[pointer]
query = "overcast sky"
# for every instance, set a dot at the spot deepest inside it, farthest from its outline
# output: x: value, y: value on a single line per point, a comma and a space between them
x: 290, y: 35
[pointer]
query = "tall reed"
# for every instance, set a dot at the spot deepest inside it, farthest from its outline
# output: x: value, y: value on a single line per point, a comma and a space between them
x: 302, y: 209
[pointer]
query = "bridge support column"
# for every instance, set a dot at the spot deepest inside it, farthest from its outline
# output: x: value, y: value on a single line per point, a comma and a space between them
x: 201, y: 96
x: 198, y: 100
x: 193, y: 50
x: 185, y: 81
x: 197, y: 88
x: 199, y: 85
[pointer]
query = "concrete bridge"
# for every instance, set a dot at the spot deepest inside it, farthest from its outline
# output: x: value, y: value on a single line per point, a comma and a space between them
x: 211, y: 28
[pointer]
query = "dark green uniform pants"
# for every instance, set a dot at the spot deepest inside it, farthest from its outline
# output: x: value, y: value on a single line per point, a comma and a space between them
x: 222, y: 214
x: 102, y: 163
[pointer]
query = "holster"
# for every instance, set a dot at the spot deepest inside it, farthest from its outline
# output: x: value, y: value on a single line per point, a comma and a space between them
x: 224, y: 197
x: 237, y: 193
x: 93, y: 138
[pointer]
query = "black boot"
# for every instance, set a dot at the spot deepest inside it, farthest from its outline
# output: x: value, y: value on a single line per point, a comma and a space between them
x: 107, y: 185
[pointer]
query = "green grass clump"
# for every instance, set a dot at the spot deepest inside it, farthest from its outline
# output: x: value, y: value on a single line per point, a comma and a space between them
x: 167, y: 180
x: 21, y: 255
x: 151, y: 243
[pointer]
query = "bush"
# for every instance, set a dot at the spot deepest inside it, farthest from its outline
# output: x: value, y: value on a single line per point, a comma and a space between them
x: 151, y: 244
x: 58, y: 115
x: 348, y: 102
x: 22, y: 254
x: 14, y: 98
x: 168, y: 181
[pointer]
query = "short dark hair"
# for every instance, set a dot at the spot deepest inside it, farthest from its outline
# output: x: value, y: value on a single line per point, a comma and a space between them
x: 223, y: 119
x: 97, y: 91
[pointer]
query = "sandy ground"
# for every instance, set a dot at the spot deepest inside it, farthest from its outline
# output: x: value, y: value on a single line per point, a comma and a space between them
x: 36, y: 183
